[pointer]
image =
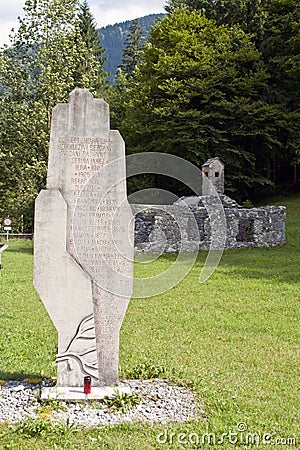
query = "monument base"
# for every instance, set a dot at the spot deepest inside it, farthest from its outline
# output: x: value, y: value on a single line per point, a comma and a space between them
x: 70, y: 394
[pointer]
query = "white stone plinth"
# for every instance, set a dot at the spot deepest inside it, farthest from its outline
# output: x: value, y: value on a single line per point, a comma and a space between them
x: 76, y: 393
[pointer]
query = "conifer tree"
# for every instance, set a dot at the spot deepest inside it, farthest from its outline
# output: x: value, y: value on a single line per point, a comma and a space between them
x: 90, y: 36
x: 133, y: 46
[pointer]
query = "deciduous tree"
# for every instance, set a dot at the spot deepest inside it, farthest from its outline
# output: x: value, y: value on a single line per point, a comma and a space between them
x: 45, y: 61
x: 201, y: 91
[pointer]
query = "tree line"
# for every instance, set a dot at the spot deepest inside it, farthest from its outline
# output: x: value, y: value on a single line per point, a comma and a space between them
x: 220, y: 78
x: 214, y: 78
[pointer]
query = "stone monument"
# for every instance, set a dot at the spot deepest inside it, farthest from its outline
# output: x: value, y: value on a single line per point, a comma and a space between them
x: 83, y: 241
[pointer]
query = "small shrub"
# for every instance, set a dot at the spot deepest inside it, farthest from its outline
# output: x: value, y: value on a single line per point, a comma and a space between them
x: 146, y: 371
x: 40, y: 427
x: 65, y: 428
x: 34, y: 427
x: 122, y: 401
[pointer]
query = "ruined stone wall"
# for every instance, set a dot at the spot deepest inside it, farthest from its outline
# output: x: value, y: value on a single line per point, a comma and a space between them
x: 171, y: 228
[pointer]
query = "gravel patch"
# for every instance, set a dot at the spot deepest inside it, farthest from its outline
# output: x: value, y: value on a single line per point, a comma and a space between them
x: 162, y: 402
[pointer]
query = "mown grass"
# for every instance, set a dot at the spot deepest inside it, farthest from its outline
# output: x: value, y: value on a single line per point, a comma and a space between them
x: 234, y: 340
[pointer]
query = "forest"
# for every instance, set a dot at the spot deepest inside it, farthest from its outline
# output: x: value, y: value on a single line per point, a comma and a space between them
x: 212, y: 78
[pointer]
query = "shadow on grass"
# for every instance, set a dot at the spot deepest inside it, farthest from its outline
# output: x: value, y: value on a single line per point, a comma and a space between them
x: 275, y: 263
x: 19, y: 376
x: 20, y: 249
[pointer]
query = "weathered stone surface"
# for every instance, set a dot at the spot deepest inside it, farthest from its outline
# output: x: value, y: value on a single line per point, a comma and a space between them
x: 157, y: 228
x: 65, y: 289
x: 84, y: 240
x: 213, y: 177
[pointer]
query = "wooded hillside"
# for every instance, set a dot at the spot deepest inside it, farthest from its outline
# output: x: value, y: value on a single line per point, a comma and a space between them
x: 113, y: 37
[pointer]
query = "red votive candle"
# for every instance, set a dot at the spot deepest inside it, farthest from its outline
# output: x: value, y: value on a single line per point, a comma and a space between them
x: 87, y: 385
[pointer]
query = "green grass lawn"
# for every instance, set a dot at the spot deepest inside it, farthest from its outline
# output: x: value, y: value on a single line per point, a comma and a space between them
x: 234, y: 340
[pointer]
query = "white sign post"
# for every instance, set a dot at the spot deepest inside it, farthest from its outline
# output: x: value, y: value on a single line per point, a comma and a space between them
x: 7, y: 226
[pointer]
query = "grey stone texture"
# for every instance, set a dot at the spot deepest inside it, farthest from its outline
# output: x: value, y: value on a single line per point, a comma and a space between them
x: 173, y: 228
x: 213, y: 177
x: 83, y: 240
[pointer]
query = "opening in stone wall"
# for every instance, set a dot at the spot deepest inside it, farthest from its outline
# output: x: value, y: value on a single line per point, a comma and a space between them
x: 246, y: 230
x: 143, y: 228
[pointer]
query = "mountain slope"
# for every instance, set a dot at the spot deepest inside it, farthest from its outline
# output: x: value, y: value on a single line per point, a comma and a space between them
x: 112, y: 38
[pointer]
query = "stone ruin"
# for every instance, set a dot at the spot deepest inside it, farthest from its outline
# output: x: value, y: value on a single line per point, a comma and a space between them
x: 245, y: 228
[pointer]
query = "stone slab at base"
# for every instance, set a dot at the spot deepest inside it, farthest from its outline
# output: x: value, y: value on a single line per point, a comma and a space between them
x: 70, y: 394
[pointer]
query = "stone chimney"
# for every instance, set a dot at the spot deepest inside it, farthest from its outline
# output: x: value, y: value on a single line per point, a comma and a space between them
x: 212, y: 175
